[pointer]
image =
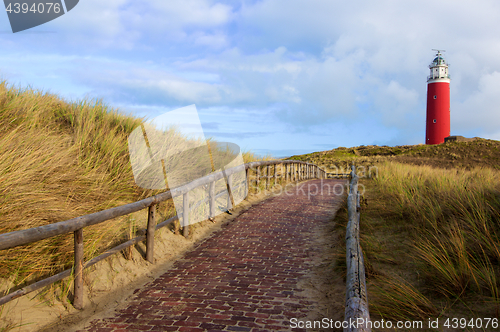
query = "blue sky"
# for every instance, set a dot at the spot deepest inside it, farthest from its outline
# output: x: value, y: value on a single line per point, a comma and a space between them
x: 273, y: 76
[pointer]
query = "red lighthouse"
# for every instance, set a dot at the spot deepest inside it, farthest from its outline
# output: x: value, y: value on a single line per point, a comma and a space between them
x: 438, y: 101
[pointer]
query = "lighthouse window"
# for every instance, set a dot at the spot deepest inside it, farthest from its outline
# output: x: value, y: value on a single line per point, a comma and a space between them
x: 434, y: 121
x: 435, y: 97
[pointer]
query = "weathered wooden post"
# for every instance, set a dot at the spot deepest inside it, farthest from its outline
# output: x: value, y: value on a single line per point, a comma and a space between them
x: 275, y: 174
x: 268, y: 170
x: 211, y: 194
x: 229, y: 192
x: 150, y: 234
x: 356, y: 308
x: 258, y: 176
x: 78, y: 269
x: 282, y: 175
x: 185, y: 214
x: 247, y: 178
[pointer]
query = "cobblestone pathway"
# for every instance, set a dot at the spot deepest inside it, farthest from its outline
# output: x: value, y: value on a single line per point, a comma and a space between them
x: 244, y: 278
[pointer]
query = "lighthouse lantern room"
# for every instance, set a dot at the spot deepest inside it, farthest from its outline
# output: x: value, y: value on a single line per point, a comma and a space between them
x: 438, y: 101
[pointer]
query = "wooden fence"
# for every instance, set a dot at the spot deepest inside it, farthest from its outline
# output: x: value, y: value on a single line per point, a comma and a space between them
x: 356, y: 305
x: 293, y: 171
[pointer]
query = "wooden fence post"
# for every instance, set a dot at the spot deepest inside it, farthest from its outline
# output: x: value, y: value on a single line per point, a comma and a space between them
x: 150, y: 234
x: 211, y: 195
x: 247, y: 177
x: 185, y: 214
x: 78, y: 270
x: 286, y: 172
x: 281, y: 173
x: 268, y: 169
x: 275, y: 174
x: 229, y: 192
x: 258, y: 176
x: 356, y: 307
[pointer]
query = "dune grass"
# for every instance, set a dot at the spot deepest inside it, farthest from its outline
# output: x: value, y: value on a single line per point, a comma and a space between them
x: 60, y: 160
x: 431, y: 239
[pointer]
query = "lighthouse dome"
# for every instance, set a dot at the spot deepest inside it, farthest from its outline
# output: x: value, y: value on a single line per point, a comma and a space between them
x: 439, y: 60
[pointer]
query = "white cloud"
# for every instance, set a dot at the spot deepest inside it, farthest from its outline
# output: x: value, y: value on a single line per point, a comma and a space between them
x: 480, y: 110
x: 395, y: 102
x: 200, y: 13
x: 216, y: 41
x: 156, y: 86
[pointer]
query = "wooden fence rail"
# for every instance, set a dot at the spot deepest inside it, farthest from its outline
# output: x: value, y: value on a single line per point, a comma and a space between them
x: 294, y: 171
x: 356, y: 306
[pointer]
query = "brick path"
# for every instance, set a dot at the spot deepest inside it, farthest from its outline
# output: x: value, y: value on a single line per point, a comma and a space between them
x: 244, y: 278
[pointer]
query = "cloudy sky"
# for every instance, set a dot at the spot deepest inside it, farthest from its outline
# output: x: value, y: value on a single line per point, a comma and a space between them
x: 274, y: 76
